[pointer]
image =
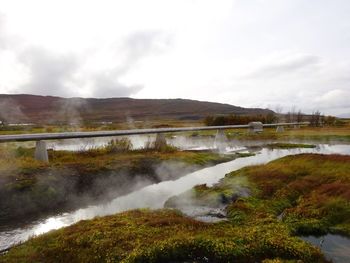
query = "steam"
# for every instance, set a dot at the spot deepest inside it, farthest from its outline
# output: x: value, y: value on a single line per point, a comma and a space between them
x: 69, y: 111
x: 69, y: 187
x: 48, y: 71
x: 11, y: 112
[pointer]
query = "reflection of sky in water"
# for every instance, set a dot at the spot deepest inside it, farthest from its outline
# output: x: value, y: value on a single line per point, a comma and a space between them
x: 335, y: 247
x: 139, y: 141
x: 154, y: 196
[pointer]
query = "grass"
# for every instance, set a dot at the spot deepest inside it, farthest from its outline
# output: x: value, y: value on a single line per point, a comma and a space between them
x: 36, y: 128
x: 163, y: 236
x: 308, y: 194
x: 305, y: 133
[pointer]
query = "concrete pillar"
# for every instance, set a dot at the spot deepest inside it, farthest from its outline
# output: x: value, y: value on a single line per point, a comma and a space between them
x: 220, y: 140
x: 255, y: 127
x: 280, y: 129
x: 41, y: 151
x: 160, y: 141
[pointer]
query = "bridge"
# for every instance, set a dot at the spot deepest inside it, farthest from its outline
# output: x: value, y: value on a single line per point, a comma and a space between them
x: 40, y: 138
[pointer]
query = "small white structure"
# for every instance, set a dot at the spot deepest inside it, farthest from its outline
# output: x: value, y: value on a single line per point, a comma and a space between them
x: 280, y: 129
x: 255, y: 127
x: 220, y: 141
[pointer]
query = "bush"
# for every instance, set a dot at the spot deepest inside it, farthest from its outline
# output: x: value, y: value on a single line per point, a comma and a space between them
x: 121, y: 145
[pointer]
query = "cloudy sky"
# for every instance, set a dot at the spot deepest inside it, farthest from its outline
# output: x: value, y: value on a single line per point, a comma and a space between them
x: 252, y: 53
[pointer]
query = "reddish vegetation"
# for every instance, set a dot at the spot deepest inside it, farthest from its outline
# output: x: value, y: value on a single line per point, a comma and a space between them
x: 48, y: 109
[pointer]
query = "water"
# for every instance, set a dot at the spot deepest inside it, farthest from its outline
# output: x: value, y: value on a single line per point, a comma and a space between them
x: 335, y: 247
x: 153, y: 196
x: 139, y: 141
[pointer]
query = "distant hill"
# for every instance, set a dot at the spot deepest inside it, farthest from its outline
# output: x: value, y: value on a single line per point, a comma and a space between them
x: 344, y: 115
x: 25, y: 108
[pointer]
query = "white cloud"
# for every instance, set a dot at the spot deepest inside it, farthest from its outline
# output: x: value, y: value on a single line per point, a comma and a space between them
x: 249, y: 53
x: 336, y: 98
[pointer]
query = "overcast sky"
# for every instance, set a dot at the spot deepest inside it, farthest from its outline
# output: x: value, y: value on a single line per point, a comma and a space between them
x: 251, y: 53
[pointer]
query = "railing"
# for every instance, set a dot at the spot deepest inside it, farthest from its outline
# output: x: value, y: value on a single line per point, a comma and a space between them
x: 40, y: 138
x: 73, y: 135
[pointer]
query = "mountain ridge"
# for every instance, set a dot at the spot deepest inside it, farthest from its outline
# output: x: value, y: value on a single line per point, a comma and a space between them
x: 19, y: 108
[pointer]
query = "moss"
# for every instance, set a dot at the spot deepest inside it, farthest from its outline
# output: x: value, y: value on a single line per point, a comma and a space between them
x: 162, y: 236
x: 309, y: 192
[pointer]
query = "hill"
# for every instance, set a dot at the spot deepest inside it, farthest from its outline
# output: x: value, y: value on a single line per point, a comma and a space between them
x: 48, y: 109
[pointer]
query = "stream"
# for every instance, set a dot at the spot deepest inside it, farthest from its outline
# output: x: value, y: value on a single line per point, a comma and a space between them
x: 154, y: 196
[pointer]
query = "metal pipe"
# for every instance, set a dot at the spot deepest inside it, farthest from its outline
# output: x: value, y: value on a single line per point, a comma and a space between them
x: 74, y: 135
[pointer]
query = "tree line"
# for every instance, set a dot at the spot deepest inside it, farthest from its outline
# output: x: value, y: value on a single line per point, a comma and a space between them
x: 233, y: 119
x: 316, y: 119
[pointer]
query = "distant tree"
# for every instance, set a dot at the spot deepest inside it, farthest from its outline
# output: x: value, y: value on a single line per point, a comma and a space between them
x: 271, y: 118
x: 330, y: 120
x: 208, y: 120
x: 238, y: 119
x: 288, y: 117
x: 300, y: 116
x: 315, y: 118
x: 293, y: 114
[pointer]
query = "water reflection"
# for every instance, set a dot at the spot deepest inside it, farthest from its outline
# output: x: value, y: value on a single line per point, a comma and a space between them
x: 139, y: 142
x: 335, y: 247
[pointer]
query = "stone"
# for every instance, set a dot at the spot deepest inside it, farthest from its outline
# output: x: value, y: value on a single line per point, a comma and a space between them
x: 255, y: 127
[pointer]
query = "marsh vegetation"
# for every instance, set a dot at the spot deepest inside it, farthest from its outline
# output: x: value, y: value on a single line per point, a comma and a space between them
x: 288, y: 197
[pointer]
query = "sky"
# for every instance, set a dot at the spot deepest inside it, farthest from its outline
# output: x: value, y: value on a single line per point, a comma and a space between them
x: 251, y: 53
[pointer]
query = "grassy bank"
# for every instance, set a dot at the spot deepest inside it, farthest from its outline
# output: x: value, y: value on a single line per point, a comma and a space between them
x: 308, y: 193
x: 163, y: 236
x: 74, y: 179
x: 304, y: 133
x: 98, y: 126
x: 321, y: 134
